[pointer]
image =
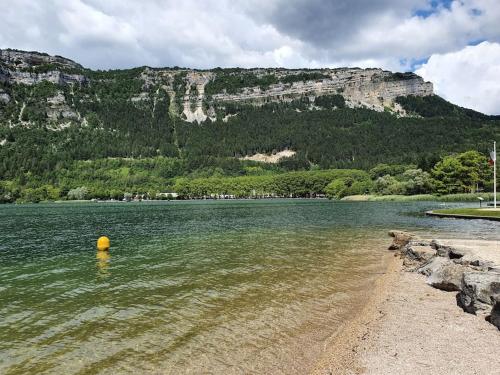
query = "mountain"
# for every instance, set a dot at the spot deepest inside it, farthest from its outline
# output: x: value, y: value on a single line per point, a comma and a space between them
x: 53, y: 112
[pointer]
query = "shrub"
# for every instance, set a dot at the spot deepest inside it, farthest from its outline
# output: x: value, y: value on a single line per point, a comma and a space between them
x: 79, y: 193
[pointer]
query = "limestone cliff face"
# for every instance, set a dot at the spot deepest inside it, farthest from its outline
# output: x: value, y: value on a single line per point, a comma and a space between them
x: 29, y: 78
x: 371, y: 88
x: 26, y: 60
x: 196, y: 95
x: 30, y: 68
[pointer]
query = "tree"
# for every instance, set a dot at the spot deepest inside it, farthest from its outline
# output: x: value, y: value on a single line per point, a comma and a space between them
x: 389, y: 185
x: 462, y: 173
x: 79, y: 193
x: 336, y: 189
x: 384, y: 169
x: 417, y: 181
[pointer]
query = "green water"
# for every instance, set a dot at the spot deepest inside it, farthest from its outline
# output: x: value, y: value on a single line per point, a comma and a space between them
x: 190, y: 287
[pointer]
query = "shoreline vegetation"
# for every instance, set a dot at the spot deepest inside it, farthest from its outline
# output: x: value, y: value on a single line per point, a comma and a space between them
x: 470, y: 197
x: 436, y: 299
x: 461, y: 177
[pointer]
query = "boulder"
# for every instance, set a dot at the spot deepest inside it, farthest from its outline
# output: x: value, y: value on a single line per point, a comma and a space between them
x: 495, y: 312
x: 400, y: 239
x: 444, y: 274
x: 417, y: 255
x: 474, y: 261
x: 448, y: 251
x: 479, y: 291
x: 420, y: 253
x: 432, y: 266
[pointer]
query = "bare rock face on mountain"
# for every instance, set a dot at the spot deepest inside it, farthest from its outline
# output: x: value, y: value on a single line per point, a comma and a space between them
x: 30, y: 68
x: 375, y: 89
x: 4, y: 97
x: 371, y: 88
x: 25, y: 60
x: 59, y: 78
x: 194, y: 96
x: 58, y: 109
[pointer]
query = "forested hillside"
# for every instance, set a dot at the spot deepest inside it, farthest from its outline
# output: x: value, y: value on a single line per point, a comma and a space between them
x: 55, y: 114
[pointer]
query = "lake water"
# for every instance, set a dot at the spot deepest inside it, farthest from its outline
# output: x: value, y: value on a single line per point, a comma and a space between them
x: 191, y: 287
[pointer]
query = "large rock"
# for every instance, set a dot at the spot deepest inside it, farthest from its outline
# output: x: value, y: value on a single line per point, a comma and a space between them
x: 448, y: 251
x: 461, y: 255
x: 400, y: 239
x: 444, y: 274
x: 495, y: 312
x: 417, y: 255
x: 479, y: 291
x: 474, y: 261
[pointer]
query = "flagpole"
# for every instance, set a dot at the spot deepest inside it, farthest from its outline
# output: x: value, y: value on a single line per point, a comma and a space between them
x: 495, y: 174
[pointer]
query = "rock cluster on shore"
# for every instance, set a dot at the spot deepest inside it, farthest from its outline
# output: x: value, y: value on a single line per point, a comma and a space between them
x: 452, y: 268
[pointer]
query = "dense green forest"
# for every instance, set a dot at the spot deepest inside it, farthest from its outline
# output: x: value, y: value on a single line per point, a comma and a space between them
x: 117, y: 132
x: 154, y: 178
x: 329, y: 138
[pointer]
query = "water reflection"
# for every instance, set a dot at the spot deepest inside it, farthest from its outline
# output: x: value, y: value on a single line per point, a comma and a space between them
x: 103, y: 259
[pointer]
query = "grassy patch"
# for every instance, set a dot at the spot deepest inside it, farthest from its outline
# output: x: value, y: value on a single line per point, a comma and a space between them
x: 465, y: 197
x: 390, y: 198
x: 470, y: 211
x: 420, y: 197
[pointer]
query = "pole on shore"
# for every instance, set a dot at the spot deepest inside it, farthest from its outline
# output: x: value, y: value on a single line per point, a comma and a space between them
x: 495, y: 174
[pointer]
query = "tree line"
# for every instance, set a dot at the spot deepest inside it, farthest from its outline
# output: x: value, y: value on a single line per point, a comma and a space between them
x: 466, y: 172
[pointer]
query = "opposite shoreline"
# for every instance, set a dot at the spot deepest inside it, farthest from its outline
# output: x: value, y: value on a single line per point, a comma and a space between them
x: 448, y: 198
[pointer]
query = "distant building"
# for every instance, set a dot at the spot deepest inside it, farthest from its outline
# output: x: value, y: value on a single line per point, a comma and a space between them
x: 167, y: 195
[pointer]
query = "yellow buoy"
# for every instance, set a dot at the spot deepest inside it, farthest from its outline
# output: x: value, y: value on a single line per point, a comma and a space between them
x: 103, y: 243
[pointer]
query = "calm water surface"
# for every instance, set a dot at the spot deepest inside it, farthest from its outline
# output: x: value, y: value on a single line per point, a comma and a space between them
x: 191, y: 287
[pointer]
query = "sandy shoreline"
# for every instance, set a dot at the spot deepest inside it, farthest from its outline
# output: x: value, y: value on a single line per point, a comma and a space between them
x: 408, y: 327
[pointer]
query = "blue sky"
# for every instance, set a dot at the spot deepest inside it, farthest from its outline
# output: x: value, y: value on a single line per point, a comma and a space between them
x: 433, y: 7
x: 398, y: 35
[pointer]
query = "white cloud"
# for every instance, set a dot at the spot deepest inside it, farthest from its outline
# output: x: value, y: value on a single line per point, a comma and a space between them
x: 469, y: 77
x: 391, y: 34
x: 209, y: 33
x: 86, y: 25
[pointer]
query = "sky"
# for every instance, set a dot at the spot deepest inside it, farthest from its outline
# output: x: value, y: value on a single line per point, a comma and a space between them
x: 453, y: 43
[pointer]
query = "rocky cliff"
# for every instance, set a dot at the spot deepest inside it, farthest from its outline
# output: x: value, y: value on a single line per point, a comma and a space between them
x: 197, y: 95
x: 30, y: 68
x: 371, y: 88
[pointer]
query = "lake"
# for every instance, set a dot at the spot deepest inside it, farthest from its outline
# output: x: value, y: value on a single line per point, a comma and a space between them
x: 196, y: 286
